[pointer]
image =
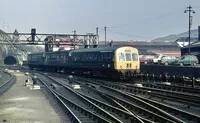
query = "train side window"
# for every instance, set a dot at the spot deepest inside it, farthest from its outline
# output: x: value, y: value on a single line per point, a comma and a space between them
x: 109, y: 56
x: 121, y: 57
x: 86, y: 57
x: 33, y: 57
x: 78, y: 57
x: 91, y: 56
x: 128, y: 57
x: 83, y: 57
x: 61, y: 57
x: 105, y: 56
x: 94, y: 57
x: 67, y: 58
x: 99, y: 56
x: 135, y: 57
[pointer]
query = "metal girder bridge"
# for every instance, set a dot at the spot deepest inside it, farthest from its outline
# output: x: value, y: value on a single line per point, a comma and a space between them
x: 49, y: 40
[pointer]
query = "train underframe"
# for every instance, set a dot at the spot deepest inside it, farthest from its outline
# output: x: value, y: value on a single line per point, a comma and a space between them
x: 102, y: 73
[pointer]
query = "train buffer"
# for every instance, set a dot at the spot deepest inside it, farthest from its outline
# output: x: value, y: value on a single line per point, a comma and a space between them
x: 76, y: 87
x: 34, y: 87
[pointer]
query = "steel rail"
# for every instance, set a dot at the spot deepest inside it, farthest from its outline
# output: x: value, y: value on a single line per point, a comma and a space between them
x: 173, y: 88
x: 148, y: 110
x: 90, y: 104
x: 130, y: 100
x: 172, y: 110
x: 185, y: 98
x: 6, y: 85
x: 72, y: 116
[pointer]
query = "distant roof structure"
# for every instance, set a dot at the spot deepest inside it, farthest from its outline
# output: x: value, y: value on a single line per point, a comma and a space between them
x: 184, y: 42
x: 141, y: 43
x: 186, y: 39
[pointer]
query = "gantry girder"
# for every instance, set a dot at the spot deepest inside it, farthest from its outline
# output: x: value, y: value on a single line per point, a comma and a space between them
x: 49, y: 39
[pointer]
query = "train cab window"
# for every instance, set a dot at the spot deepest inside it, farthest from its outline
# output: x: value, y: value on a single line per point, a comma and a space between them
x: 135, y: 57
x: 121, y: 57
x: 128, y: 57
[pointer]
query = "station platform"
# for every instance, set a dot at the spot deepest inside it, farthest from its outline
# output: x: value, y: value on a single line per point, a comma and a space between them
x: 20, y: 104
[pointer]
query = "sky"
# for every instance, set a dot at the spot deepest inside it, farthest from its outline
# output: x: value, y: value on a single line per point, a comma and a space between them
x: 124, y: 19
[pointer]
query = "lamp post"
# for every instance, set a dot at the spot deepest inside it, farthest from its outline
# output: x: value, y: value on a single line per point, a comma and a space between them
x: 105, y: 33
x: 189, y: 10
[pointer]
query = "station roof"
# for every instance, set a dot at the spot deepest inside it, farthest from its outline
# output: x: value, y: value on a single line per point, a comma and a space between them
x: 194, y: 44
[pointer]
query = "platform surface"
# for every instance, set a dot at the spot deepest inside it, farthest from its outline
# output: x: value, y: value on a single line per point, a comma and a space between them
x: 19, y: 104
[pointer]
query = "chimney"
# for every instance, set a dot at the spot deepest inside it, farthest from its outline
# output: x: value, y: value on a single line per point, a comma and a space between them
x: 198, y: 33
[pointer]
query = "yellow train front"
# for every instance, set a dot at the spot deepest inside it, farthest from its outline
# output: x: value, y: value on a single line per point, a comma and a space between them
x: 126, y: 62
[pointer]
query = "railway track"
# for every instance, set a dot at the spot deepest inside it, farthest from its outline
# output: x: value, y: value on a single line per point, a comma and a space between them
x: 109, y: 104
x: 90, y: 111
x: 6, y: 81
x: 195, y: 91
x: 139, y: 107
x: 185, y: 116
x: 77, y: 113
x: 180, y: 97
x: 174, y: 80
x: 116, y: 98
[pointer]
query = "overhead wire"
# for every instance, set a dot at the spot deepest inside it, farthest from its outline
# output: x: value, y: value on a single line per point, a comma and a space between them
x: 121, y: 33
x: 162, y: 16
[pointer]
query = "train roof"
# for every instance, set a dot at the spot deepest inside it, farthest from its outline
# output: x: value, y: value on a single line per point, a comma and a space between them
x: 38, y: 53
x: 66, y: 51
x: 99, y: 49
